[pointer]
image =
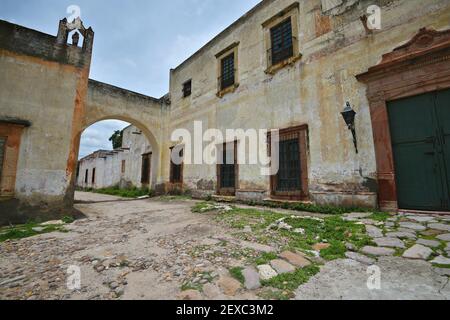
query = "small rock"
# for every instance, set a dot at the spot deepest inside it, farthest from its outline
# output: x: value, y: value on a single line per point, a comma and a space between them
x: 360, y: 258
x: 418, y: 252
x: 295, y: 259
x: 282, y: 266
x: 321, y: 246
x: 54, y: 223
x: 113, y: 285
x: 374, y: 232
x: 377, y: 251
x: 191, y: 295
x: 266, y: 272
x: 99, y: 267
x: 421, y: 218
x: 229, y: 285
x: 390, y: 243
x: 251, y: 278
x: 429, y: 243
x: 212, y: 291
x: 247, y: 229
x: 38, y: 229
x: 444, y: 237
x: 357, y: 215
x: 441, y: 260
x: 350, y: 247
x: 413, y: 226
x: 299, y: 231
x: 442, y: 271
x: 401, y: 235
x: 439, y: 226
x: 119, y: 291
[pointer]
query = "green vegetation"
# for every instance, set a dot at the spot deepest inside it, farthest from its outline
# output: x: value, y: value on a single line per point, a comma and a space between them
x: 68, y: 219
x: 124, y: 193
x: 237, y: 274
x: 380, y: 216
x: 294, y: 233
x: 271, y: 294
x: 203, y: 207
x: 307, y: 207
x: 291, y: 281
x: 27, y: 230
x: 265, y: 258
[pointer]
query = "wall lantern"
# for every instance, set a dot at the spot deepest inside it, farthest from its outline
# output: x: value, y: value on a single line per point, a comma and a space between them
x: 349, y: 117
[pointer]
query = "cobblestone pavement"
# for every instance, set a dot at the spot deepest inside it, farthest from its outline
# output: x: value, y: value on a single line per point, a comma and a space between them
x: 159, y: 249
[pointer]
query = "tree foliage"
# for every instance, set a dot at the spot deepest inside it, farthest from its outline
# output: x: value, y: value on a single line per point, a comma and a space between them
x: 116, y: 139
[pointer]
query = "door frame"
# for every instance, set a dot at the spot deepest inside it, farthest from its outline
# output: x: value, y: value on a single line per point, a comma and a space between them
x: 228, y: 191
x: 422, y: 65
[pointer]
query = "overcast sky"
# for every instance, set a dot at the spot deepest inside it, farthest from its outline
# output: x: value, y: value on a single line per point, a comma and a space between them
x: 136, y: 41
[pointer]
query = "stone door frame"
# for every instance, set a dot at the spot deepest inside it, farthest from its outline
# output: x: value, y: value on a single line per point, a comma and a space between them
x: 420, y: 66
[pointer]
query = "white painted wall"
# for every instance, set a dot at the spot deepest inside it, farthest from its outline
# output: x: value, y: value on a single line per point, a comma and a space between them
x: 108, y: 164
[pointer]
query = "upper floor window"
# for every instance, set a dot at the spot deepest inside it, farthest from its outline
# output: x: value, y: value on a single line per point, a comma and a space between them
x: 227, y: 72
x: 282, y: 45
x: 227, y: 69
x: 282, y: 42
x: 187, y: 88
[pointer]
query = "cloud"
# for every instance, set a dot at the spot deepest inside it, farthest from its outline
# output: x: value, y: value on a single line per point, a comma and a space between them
x: 96, y: 137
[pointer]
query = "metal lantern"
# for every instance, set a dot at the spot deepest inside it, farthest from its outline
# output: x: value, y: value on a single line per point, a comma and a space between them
x: 349, y: 116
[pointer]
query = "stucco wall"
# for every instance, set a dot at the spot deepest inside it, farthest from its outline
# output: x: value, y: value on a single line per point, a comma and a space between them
x: 313, y: 91
x: 41, y: 83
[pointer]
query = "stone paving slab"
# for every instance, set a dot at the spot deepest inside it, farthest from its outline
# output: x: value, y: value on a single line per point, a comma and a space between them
x: 400, y: 279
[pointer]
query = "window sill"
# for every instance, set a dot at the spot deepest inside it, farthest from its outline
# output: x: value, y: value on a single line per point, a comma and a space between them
x: 225, y: 91
x: 288, y: 62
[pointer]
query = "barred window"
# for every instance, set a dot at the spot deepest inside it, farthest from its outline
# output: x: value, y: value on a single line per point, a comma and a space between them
x: 187, y: 88
x: 282, y: 44
x: 227, y: 72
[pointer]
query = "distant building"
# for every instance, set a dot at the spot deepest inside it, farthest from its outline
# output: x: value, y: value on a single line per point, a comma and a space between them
x: 129, y: 166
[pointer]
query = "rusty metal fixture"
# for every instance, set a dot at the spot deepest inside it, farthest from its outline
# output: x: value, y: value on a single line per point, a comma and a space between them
x: 349, y: 116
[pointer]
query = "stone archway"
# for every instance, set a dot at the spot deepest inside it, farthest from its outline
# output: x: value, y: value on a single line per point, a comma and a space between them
x: 420, y: 66
x: 106, y: 102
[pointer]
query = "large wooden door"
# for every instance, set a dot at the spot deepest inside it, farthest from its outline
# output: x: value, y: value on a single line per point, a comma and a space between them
x: 418, y: 130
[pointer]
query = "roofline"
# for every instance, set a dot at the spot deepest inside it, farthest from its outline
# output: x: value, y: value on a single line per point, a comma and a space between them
x: 225, y: 32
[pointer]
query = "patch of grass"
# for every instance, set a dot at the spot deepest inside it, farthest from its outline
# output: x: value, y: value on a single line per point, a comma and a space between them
x: 291, y: 281
x: 124, y: 193
x: 26, y: 231
x: 336, y: 250
x: 306, y: 207
x: 236, y: 273
x: 442, y: 266
x: 191, y: 286
x: 271, y: 294
x: 333, y: 230
x: 68, y: 219
x: 170, y: 198
x: 203, y: 207
x: 265, y: 258
x: 380, y: 216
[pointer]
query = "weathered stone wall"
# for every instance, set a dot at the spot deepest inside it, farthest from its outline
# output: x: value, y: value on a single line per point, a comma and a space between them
x: 313, y: 91
x: 44, y: 84
x: 108, y: 164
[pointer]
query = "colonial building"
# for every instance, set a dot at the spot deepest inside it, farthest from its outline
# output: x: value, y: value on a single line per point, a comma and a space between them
x: 126, y: 167
x: 285, y: 65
